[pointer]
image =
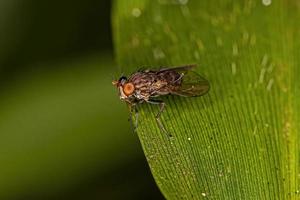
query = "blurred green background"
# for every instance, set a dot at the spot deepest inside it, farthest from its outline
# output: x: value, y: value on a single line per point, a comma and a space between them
x: 64, y: 133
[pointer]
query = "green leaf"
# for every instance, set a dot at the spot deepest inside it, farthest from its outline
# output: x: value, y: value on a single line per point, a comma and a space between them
x: 241, y: 141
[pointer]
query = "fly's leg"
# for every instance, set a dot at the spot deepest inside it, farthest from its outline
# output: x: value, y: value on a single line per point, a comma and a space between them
x: 133, y: 111
x: 136, y: 112
x: 157, y: 117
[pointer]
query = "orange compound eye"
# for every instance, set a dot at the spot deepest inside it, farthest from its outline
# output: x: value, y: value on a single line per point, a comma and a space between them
x: 128, y: 88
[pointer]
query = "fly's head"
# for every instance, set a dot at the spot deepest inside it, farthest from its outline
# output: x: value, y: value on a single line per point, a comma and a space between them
x: 126, y: 89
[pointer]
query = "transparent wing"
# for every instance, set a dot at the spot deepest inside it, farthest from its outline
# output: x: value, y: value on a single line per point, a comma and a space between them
x: 192, y: 84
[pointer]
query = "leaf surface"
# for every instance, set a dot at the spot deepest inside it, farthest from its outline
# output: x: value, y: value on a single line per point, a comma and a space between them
x: 240, y: 141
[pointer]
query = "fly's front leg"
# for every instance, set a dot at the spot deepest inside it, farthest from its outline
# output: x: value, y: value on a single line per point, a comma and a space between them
x: 133, y: 111
x: 136, y: 112
x: 157, y: 117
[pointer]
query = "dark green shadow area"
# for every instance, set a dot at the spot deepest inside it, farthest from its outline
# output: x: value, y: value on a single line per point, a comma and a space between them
x: 64, y: 134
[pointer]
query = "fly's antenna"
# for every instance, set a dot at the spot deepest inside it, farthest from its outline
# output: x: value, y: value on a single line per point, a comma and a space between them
x: 114, y: 77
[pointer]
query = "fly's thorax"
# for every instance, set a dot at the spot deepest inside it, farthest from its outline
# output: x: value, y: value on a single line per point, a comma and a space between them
x: 142, y: 79
x: 143, y: 83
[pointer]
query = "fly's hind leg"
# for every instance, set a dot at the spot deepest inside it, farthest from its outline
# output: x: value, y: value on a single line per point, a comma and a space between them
x: 157, y: 117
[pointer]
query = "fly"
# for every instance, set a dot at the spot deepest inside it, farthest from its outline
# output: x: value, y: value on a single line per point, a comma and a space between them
x: 147, y: 85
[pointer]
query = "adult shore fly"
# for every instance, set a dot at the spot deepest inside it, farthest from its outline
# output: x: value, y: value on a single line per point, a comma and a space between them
x: 147, y: 85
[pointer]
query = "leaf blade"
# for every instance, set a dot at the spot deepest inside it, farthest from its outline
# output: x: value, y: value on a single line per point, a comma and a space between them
x: 241, y: 140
